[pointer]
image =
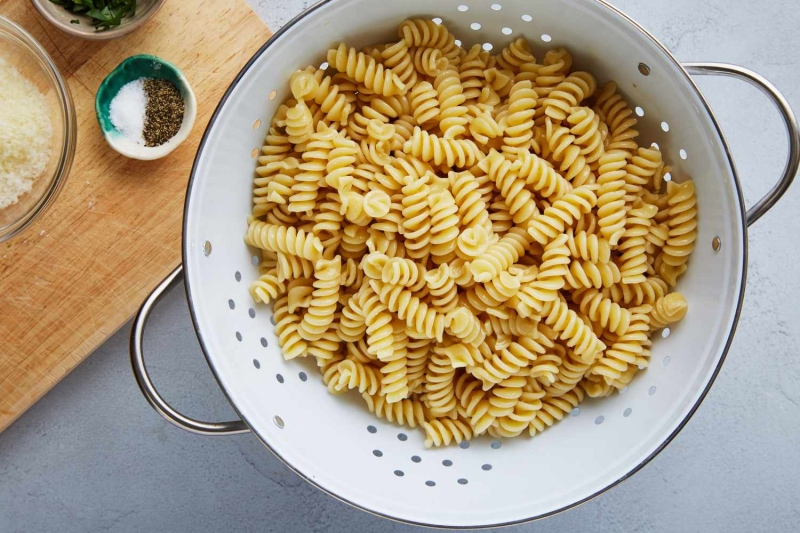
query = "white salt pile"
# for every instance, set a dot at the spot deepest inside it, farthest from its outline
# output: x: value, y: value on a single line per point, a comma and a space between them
x: 25, y: 134
x: 128, y: 111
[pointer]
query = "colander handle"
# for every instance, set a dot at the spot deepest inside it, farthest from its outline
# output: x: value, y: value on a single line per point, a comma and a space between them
x: 792, y: 130
x: 146, y: 385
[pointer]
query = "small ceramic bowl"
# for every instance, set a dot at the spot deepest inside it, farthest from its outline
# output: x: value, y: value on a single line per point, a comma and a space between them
x: 63, y: 19
x: 133, y: 68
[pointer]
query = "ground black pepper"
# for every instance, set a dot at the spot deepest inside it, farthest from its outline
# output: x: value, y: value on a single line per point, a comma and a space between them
x: 164, y: 112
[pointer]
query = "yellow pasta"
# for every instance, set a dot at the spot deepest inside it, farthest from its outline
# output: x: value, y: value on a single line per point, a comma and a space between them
x: 473, y: 242
x: 364, y: 69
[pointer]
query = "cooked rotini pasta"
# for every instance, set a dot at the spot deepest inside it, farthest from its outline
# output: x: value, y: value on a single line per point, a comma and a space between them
x: 473, y: 242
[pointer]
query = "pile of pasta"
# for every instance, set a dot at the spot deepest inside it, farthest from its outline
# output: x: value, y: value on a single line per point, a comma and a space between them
x: 473, y: 242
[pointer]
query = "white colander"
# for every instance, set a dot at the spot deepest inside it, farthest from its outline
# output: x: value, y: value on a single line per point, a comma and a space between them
x: 334, y: 442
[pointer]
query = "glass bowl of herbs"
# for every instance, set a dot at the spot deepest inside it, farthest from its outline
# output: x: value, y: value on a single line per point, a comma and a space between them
x: 97, y: 19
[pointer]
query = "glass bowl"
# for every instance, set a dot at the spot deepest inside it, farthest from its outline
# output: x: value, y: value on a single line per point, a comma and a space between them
x: 21, y: 51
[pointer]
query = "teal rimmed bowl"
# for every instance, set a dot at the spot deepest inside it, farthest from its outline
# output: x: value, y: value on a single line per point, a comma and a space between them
x: 133, y: 68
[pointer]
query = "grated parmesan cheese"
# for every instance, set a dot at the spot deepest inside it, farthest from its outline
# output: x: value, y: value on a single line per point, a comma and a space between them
x: 26, y: 134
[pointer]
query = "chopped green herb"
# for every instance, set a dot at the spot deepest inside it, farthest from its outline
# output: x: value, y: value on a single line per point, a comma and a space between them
x: 105, y: 14
x: 75, y: 21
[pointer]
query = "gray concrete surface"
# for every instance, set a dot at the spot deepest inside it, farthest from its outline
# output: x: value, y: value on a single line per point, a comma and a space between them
x: 92, y: 455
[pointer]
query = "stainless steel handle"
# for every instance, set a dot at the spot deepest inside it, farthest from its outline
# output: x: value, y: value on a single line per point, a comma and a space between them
x: 146, y: 385
x: 792, y: 131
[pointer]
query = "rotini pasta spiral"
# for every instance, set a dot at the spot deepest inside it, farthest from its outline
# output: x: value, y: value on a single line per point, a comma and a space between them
x: 417, y: 315
x: 327, y: 277
x: 640, y: 172
x: 643, y: 293
x: 554, y: 409
x: 439, y: 383
x: 602, y: 310
x: 355, y: 375
x: 428, y: 34
x: 352, y: 324
x: 546, y: 226
x: 300, y: 292
x: 305, y: 189
x: 585, y: 274
x: 470, y: 72
x: 634, y: 245
x: 473, y: 403
x: 522, y: 414
x: 405, y: 272
x: 287, y: 328
x: 562, y: 149
x: 429, y: 61
x: 442, y: 289
x: 578, y: 335
x: 286, y: 240
x: 452, y: 113
x: 462, y: 324
x: 508, y: 362
x: 425, y: 104
x: 471, y: 207
x: 459, y: 153
x: 398, y: 58
x: 444, y: 226
x: 409, y: 413
x: 586, y: 129
x: 682, y: 223
x: 442, y: 431
x: 394, y: 384
x: 505, y: 175
x: 519, y: 122
x: 626, y: 349
x: 516, y: 54
x: 619, y: 118
x: 266, y: 288
x: 500, y: 256
x: 532, y: 296
x: 364, y: 69
x: 417, y: 216
x: 417, y: 355
x: 541, y: 177
x: 292, y: 267
x: 569, y: 93
x: 482, y: 125
x: 332, y: 103
x: 668, y: 309
x: 494, y: 292
x: 299, y: 124
x: 610, y: 201
x: 588, y: 247
x: 378, y: 319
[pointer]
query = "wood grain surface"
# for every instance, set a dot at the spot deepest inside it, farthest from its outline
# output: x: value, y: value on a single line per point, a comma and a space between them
x: 80, y: 272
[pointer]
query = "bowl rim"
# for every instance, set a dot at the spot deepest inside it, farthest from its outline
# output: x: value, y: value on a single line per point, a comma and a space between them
x: 119, y: 31
x: 69, y: 125
x: 155, y: 152
x: 741, y: 212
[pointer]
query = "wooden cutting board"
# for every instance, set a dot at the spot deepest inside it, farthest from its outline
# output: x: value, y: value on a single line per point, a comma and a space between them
x: 81, y: 271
